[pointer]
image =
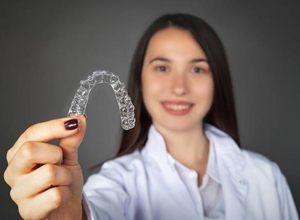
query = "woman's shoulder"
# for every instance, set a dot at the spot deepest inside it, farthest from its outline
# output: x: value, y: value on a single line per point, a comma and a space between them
x: 128, y: 163
x: 117, y: 172
x: 256, y: 157
x: 261, y: 164
x: 251, y: 161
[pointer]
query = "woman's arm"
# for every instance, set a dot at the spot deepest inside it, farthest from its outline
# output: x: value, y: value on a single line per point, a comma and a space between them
x: 287, y: 205
x: 104, y: 195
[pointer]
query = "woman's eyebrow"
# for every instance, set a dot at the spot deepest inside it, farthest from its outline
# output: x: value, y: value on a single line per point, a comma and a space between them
x: 160, y: 59
x: 198, y: 60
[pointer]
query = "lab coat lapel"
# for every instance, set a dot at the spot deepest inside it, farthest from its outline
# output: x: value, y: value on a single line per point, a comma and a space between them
x: 235, y: 192
x: 230, y: 164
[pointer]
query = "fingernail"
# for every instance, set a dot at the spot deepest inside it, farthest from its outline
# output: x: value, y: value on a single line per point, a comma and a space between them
x: 71, y: 124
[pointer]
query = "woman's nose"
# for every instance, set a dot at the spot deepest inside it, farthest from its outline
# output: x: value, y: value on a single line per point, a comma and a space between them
x: 179, y: 84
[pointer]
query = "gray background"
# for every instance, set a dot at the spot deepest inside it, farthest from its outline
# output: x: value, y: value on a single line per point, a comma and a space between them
x: 47, y: 47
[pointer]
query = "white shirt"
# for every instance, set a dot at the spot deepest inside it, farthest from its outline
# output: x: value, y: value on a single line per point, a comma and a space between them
x: 151, y: 185
x: 209, y: 199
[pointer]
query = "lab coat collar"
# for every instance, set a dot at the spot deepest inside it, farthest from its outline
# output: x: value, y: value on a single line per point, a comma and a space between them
x: 230, y: 164
x: 222, y: 143
x: 211, y: 170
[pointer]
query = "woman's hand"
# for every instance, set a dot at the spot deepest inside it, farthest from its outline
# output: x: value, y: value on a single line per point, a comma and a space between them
x: 46, y: 180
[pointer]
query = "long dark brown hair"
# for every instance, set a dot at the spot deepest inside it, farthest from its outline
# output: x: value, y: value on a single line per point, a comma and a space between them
x: 222, y: 113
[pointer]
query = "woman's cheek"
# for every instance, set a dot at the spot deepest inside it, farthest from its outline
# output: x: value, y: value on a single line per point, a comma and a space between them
x: 210, y: 94
x: 156, y: 86
x: 206, y: 91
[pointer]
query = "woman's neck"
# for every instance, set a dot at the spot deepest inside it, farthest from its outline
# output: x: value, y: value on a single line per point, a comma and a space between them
x: 189, y: 147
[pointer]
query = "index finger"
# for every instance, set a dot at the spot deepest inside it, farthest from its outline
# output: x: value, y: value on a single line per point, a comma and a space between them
x: 43, y: 132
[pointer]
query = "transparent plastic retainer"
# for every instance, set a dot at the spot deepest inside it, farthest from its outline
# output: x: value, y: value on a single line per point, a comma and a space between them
x: 81, y: 97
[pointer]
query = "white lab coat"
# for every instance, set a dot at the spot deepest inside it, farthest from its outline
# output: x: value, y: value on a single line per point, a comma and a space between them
x: 144, y: 186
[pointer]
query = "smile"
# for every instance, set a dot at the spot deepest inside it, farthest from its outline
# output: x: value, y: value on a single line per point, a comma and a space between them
x: 177, y: 107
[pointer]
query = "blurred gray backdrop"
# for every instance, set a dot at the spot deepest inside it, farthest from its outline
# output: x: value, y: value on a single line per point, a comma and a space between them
x: 47, y: 47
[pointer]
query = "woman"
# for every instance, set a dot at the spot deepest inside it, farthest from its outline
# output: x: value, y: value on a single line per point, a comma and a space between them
x: 181, y: 161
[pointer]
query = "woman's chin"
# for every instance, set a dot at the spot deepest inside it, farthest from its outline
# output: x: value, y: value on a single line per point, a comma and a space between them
x: 178, y: 126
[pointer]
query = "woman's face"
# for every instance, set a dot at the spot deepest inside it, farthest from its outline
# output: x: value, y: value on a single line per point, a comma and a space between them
x: 177, y: 83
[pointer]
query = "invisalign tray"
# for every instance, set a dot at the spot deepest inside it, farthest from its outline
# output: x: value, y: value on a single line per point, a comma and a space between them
x: 81, y: 97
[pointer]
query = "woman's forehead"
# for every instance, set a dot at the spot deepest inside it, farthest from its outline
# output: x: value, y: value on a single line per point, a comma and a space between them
x: 174, y: 43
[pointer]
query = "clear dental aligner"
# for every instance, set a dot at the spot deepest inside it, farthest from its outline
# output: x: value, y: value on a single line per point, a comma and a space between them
x: 81, y: 97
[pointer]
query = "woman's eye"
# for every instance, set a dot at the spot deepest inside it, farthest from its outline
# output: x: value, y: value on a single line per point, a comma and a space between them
x: 161, y: 68
x: 198, y: 70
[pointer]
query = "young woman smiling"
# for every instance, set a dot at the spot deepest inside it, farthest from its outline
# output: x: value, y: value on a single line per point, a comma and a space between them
x: 181, y: 161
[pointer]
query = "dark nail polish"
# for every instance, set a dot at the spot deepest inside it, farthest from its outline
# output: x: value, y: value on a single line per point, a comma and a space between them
x: 71, y: 124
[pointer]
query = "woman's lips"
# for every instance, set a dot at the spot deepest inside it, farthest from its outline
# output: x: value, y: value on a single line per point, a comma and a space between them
x: 177, y: 107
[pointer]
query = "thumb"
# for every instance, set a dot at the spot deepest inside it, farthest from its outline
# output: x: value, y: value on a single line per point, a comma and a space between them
x: 71, y: 143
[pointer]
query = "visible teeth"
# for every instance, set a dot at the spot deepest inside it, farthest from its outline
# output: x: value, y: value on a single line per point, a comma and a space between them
x: 177, y: 107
